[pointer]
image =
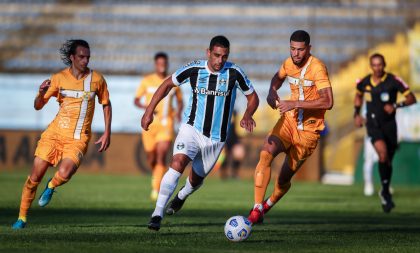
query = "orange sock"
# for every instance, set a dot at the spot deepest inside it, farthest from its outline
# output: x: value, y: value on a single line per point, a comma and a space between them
x: 28, y: 195
x: 279, y: 192
x: 262, y: 176
x: 57, y: 180
x: 157, y: 176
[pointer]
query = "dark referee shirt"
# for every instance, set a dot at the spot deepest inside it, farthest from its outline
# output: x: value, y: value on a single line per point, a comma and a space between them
x: 377, y: 95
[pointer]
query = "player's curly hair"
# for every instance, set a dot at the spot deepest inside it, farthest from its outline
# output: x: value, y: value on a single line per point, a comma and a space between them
x: 69, y: 48
x: 301, y: 36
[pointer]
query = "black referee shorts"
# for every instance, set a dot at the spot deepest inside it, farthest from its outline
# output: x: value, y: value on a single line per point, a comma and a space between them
x: 387, y: 132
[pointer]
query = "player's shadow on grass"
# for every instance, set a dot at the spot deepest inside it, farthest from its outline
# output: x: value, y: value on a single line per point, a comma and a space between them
x: 100, y: 217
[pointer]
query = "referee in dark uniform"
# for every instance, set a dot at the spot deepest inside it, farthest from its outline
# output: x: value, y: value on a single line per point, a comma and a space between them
x: 380, y: 90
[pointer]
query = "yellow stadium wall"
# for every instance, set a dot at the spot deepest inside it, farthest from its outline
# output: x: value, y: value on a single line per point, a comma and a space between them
x: 126, y: 155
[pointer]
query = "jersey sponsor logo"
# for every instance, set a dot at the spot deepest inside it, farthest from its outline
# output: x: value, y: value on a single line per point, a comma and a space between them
x: 204, y: 91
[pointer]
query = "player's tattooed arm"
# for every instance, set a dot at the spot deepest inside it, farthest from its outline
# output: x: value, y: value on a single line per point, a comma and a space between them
x: 160, y: 93
x: 247, y: 122
x: 39, y: 100
x: 324, y: 102
x: 273, y: 98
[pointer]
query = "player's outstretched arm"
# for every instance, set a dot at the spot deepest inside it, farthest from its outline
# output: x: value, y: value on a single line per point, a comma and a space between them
x: 161, y: 92
x: 272, y: 97
x: 247, y: 122
x: 105, y: 139
x: 39, y: 100
x: 358, y: 101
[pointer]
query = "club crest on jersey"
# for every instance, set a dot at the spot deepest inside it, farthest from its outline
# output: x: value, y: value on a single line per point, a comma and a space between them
x: 180, y: 146
x: 86, y: 95
x: 384, y: 96
x: 222, y: 81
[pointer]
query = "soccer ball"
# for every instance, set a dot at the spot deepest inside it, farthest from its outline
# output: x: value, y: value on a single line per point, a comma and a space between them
x: 237, y: 228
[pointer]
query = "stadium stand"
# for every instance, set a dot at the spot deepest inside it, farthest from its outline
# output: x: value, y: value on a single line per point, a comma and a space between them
x: 125, y: 34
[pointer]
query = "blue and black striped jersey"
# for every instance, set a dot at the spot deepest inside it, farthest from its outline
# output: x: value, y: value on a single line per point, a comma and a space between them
x: 213, y: 96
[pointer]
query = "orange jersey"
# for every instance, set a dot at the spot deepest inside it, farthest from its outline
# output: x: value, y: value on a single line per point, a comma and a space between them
x: 304, y: 85
x: 164, y: 110
x: 77, y: 103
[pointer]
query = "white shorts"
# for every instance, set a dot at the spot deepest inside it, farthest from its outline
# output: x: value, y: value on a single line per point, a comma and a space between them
x: 202, y: 150
x: 370, y: 152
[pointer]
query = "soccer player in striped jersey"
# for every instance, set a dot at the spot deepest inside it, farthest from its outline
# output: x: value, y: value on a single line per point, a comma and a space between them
x: 203, y: 132
x: 67, y: 136
x: 157, y: 140
x: 296, y: 133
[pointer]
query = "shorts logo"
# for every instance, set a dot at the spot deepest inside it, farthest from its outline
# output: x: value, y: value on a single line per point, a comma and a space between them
x: 180, y: 146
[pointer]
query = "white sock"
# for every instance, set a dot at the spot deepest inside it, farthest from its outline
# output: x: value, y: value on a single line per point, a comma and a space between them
x: 167, y: 188
x: 187, y: 190
x: 269, y: 203
x: 259, y: 206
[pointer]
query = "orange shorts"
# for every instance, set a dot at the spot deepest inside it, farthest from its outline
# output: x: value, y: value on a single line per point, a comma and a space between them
x: 157, y: 132
x: 53, y: 148
x: 299, y: 144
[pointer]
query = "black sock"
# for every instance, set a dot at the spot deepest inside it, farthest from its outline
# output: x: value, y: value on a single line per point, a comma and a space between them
x: 385, y: 172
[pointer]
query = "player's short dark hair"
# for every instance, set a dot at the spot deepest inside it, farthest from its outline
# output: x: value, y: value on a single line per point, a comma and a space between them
x: 220, y: 41
x: 69, y: 48
x: 377, y: 55
x: 301, y: 36
x: 161, y: 55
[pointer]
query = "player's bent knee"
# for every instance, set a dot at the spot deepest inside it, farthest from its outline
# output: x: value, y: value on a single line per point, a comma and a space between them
x: 179, y: 163
x: 67, y: 170
x: 265, y: 158
x: 382, y: 157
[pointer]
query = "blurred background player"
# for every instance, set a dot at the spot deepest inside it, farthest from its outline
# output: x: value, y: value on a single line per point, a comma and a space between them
x: 232, y: 154
x: 66, y: 138
x: 296, y: 133
x: 370, y: 157
x: 203, y: 132
x: 157, y: 141
x: 380, y: 90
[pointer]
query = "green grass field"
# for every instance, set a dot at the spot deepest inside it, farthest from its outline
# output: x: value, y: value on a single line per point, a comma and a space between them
x: 108, y: 213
